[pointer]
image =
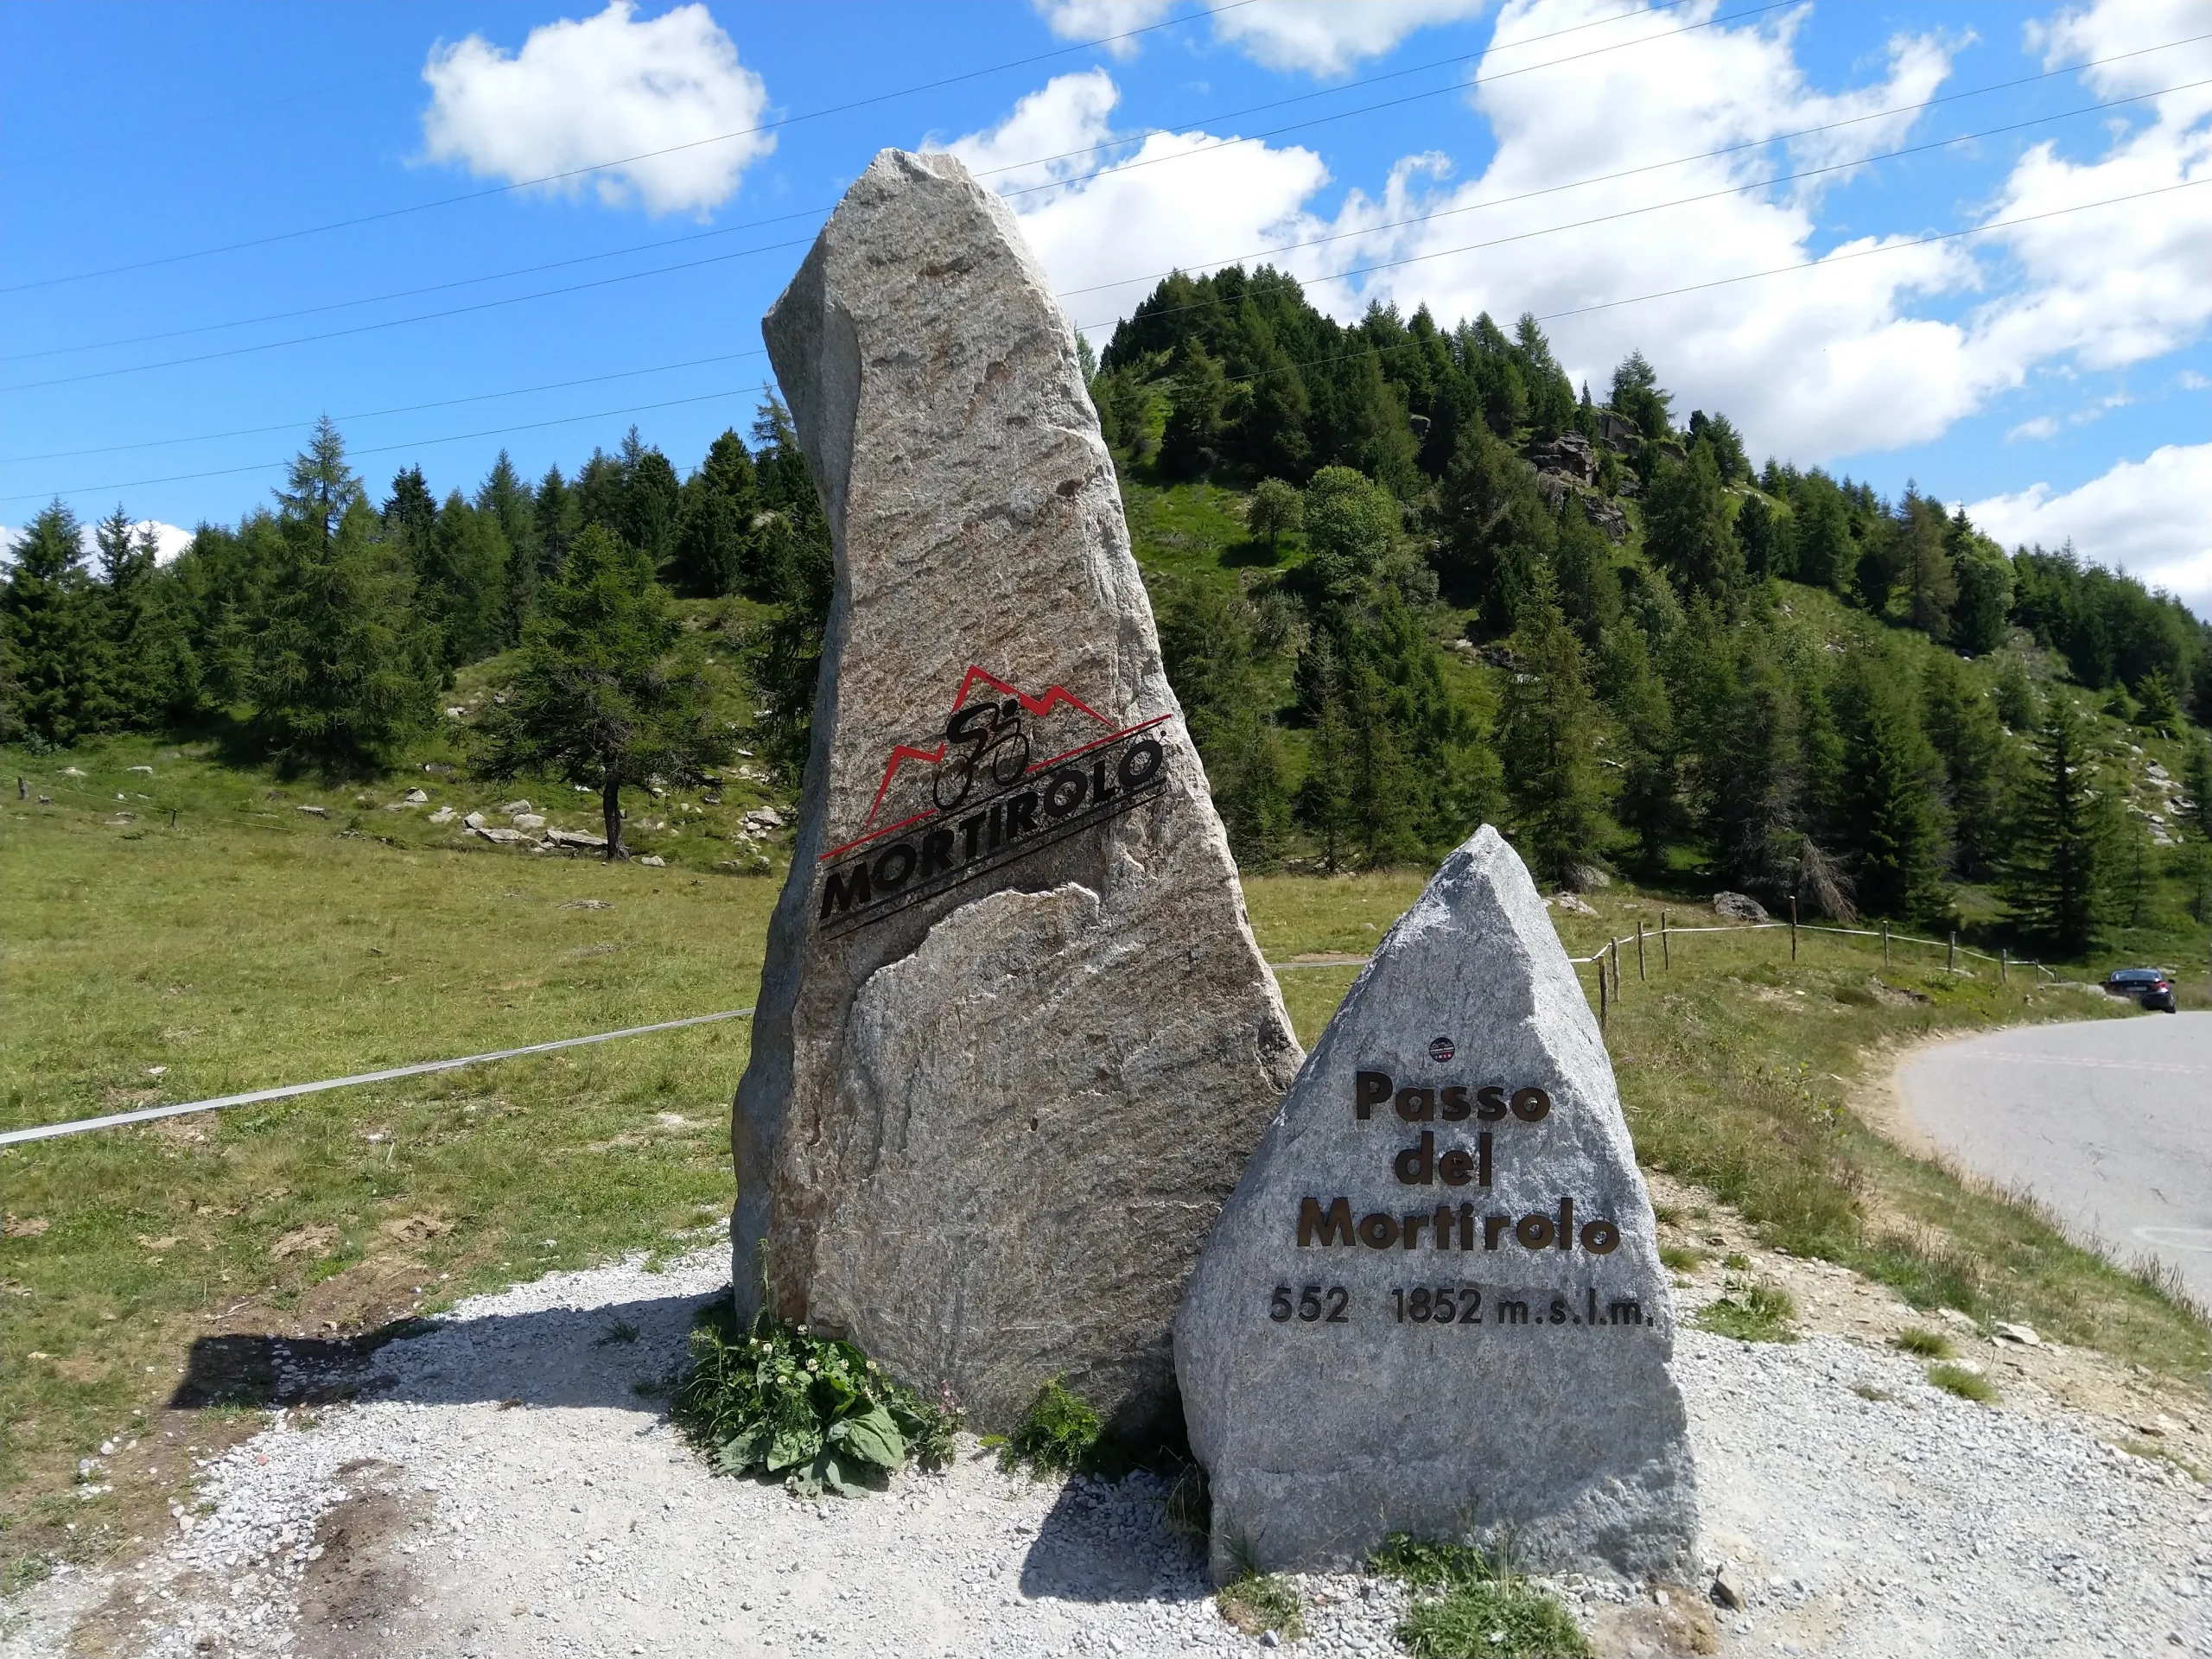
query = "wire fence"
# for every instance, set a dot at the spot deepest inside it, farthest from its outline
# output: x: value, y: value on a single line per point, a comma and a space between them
x: 1607, y: 957
x: 148, y: 1113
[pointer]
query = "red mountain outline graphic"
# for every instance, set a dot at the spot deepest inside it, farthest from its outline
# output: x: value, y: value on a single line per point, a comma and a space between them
x: 1051, y: 698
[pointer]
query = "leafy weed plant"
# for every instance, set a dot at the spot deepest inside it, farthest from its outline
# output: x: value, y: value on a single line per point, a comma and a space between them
x: 1760, y: 1312
x: 1059, y: 1434
x: 1967, y: 1385
x: 778, y: 1400
x: 1485, y: 1608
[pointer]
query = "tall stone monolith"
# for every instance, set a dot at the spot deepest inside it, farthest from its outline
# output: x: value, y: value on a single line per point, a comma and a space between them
x: 1014, y: 1040
x: 1434, y: 1304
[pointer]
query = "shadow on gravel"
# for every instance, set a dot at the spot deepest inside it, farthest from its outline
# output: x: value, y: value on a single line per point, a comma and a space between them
x: 618, y: 1355
x: 1111, y: 1542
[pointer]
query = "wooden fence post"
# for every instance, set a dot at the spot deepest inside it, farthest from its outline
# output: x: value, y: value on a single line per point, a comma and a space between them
x: 1616, y: 945
x: 1793, y: 927
x: 1666, y: 961
x: 2004, y: 977
x: 1640, y: 975
x: 1951, y: 956
x: 1602, y: 1008
x: 1885, y: 945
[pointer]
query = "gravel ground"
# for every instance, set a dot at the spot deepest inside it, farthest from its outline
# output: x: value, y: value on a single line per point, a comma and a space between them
x: 504, y: 1489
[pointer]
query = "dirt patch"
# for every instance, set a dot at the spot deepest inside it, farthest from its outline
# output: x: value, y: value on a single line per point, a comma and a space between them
x: 1683, y: 1624
x: 353, y: 1597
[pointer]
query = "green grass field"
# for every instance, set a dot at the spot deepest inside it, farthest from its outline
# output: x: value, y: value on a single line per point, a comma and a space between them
x: 251, y: 945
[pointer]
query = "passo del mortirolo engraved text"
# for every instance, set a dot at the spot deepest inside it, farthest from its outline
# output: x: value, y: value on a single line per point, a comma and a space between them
x: 1446, y: 1159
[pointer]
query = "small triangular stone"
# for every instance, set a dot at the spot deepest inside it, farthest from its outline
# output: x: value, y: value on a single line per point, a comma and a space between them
x: 1434, y: 1304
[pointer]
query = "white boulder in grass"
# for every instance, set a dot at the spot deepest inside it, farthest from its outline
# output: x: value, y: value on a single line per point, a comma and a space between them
x: 1434, y: 1303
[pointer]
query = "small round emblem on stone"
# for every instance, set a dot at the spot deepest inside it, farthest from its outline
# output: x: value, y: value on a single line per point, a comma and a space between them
x: 1442, y: 1050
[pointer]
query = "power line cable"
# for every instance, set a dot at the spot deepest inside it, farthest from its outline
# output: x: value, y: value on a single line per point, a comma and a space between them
x: 176, y: 362
x: 377, y: 414
x: 1122, y: 142
x: 1725, y: 150
x: 1824, y: 264
x: 1827, y: 263
x: 389, y: 448
x: 622, y: 161
x: 719, y: 258
x: 692, y: 264
x: 1624, y: 212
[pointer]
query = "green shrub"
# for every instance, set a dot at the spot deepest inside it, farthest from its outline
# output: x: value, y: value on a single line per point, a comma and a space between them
x: 1058, y: 1435
x: 1760, y: 1313
x: 1681, y: 1258
x: 1967, y: 1385
x: 1928, y: 1345
x: 778, y: 1400
x: 1261, y: 1601
x: 1485, y: 1608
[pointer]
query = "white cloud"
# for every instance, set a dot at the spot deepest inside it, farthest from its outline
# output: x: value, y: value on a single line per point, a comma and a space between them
x: 1327, y: 37
x: 1122, y: 224
x: 1819, y: 362
x: 2145, y: 515
x: 169, y: 540
x: 583, y: 93
x: 1102, y: 20
x: 1045, y: 137
x: 2042, y: 426
x: 1835, y: 356
x: 1316, y: 37
x: 2119, y: 284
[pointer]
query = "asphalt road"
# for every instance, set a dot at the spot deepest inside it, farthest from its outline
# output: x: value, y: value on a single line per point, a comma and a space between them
x: 2109, y: 1123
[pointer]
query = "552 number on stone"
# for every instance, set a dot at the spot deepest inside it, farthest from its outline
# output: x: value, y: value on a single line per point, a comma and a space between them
x: 1324, y: 1304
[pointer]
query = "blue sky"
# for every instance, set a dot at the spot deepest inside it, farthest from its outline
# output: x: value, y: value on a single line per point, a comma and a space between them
x: 1552, y: 156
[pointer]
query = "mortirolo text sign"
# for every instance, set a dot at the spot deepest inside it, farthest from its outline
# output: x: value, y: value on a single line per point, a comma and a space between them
x: 1015, y: 1041
x: 1435, y: 1304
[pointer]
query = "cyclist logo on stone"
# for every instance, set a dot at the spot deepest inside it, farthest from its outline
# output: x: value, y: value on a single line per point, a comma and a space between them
x: 1012, y: 773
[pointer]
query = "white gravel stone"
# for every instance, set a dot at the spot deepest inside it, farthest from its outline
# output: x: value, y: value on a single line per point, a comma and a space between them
x: 576, y: 1522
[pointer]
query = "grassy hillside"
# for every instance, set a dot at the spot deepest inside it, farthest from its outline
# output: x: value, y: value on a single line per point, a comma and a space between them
x: 253, y: 945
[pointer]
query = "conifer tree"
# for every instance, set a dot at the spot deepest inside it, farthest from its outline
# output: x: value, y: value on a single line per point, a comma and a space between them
x: 1687, y: 529
x: 465, y: 582
x: 53, y: 694
x: 2156, y: 707
x: 2198, y: 779
x: 714, y: 539
x: 149, y: 669
x: 1895, y: 830
x: 1984, y: 575
x: 1636, y: 396
x: 2017, y: 703
x: 340, y: 670
x: 610, y: 693
x: 1647, y: 804
x: 1192, y: 443
x: 559, y: 515
x: 1962, y: 725
x: 505, y: 499
x: 2050, y: 876
x: 1546, y: 739
x: 1923, y: 558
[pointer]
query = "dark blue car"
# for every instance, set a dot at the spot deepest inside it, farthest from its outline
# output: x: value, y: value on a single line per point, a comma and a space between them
x: 2148, y: 986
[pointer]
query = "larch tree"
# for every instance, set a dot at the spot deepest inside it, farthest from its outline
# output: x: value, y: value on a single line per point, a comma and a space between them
x: 610, y: 692
x: 1546, y: 738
